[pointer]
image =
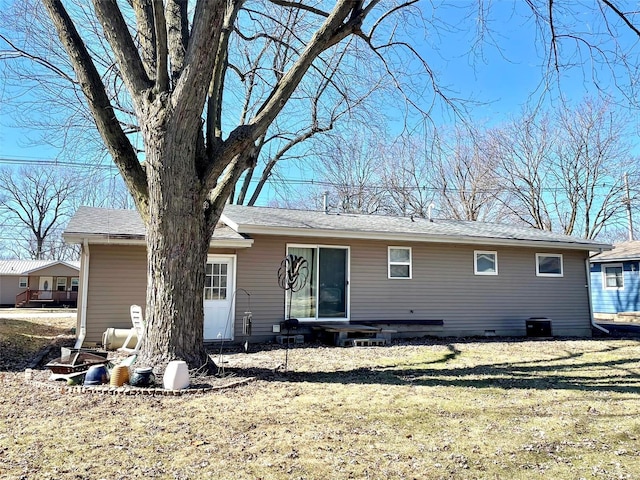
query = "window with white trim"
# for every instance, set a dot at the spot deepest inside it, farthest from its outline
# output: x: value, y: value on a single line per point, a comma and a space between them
x: 549, y: 265
x: 23, y: 282
x: 61, y: 284
x: 399, y: 262
x: 485, y: 263
x: 75, y: 281
x: 613, y: 276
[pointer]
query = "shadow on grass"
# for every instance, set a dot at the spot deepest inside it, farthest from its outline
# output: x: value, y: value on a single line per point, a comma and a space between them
x: 566, y: 371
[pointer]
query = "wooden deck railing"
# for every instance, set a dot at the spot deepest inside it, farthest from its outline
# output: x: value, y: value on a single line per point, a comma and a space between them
x: 46, y: 296
x: 22, y: 298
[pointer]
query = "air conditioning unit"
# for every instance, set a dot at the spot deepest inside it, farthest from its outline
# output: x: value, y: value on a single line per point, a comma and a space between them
x: 539, y: 327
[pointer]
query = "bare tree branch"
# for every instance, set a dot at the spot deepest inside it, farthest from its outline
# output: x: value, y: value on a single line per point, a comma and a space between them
x: 116, y: 30
x: 118, y: 144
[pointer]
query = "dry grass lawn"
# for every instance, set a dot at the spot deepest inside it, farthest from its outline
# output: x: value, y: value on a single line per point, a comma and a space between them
x: 564, y: 409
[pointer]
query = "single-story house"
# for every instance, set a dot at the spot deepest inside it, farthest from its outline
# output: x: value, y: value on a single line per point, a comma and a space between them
x: 615, y: 281
x: 29, y: 283
x: 412, y: 275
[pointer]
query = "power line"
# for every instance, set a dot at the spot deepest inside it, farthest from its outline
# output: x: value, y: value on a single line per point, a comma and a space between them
x: 52, y: 163
x: 291, y: 181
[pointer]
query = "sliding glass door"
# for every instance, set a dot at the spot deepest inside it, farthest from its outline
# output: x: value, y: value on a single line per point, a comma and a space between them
x: 325, y: 294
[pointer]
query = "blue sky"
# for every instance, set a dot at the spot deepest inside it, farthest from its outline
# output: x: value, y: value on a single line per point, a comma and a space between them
x: 501, y: 79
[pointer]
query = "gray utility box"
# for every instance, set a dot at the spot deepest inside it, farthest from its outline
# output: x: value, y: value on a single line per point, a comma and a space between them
x: 539, y: 327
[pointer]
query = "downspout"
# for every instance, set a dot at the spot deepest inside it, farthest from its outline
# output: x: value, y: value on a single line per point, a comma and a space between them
x: 85, y: 289
x: 587, y: 264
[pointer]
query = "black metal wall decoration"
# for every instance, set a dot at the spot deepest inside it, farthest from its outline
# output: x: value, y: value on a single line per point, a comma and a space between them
x: 292, y: 277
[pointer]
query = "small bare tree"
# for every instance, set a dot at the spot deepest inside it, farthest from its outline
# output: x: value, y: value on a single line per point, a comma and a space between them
x: 38, y: 202
x: 465, y: 178
x: 408, y: 175
x: 351, y: 167
x: 523, y: 150
x: 592, y: 156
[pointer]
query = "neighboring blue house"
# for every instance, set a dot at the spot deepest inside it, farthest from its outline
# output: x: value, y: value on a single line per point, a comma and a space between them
x: 615, y: 280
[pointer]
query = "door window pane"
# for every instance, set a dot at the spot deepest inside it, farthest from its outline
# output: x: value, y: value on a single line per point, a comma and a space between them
x: 324, y: 295
x: 215, y: 282
x: 332, y: 273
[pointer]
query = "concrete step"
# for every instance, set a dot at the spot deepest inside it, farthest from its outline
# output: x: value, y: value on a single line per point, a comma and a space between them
x: 364, y: 342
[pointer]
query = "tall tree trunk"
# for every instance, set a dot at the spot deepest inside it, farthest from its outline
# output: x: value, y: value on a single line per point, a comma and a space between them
x: 177, y: 245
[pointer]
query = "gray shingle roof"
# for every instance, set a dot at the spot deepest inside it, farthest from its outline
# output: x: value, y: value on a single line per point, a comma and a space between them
x: 621, y: 251
x: 119, y: 224
x: 96, y: 222
x: 23, y: 267
x: 261, y: 219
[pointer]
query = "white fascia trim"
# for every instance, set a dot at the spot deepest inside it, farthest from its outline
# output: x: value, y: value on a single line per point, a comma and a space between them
x: 85, y: 255
x: 303, y: 232
x: 232, y: 243
x: 109, y: 240
x: 102, y: 239
x: 228, y: 222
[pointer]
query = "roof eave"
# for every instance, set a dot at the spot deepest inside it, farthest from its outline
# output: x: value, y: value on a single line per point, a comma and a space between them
x: 422, y: 238
x: 615, y: 259
x: 105, y: 239
x: 58, y: 262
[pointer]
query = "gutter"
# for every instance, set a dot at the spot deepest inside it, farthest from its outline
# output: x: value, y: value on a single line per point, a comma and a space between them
x: 587, y: 263
x: 85, y: 294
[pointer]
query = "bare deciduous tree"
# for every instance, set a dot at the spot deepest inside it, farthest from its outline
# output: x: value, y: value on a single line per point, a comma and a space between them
x: 37, y: 202
x: 352, y: 167
x: 592, y: 157
x: 523, y: 150
x: 408, y: 176
x: 465, y: 177
x: 565, y: 172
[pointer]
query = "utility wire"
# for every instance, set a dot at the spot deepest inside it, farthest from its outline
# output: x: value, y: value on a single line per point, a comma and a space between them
x: 297, y: 181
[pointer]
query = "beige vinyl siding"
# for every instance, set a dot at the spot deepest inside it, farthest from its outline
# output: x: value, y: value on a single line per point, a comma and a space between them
x: 257, y: 273
x: 117, y: 280
x: 55, y: 271
x: 443, y: 287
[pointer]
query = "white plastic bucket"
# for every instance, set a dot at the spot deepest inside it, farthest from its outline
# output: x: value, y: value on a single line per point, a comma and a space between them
x: 176, y: 376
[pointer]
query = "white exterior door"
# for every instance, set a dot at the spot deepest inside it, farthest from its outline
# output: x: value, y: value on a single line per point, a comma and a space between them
x: 45, y: 286
x: 219, y: 298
